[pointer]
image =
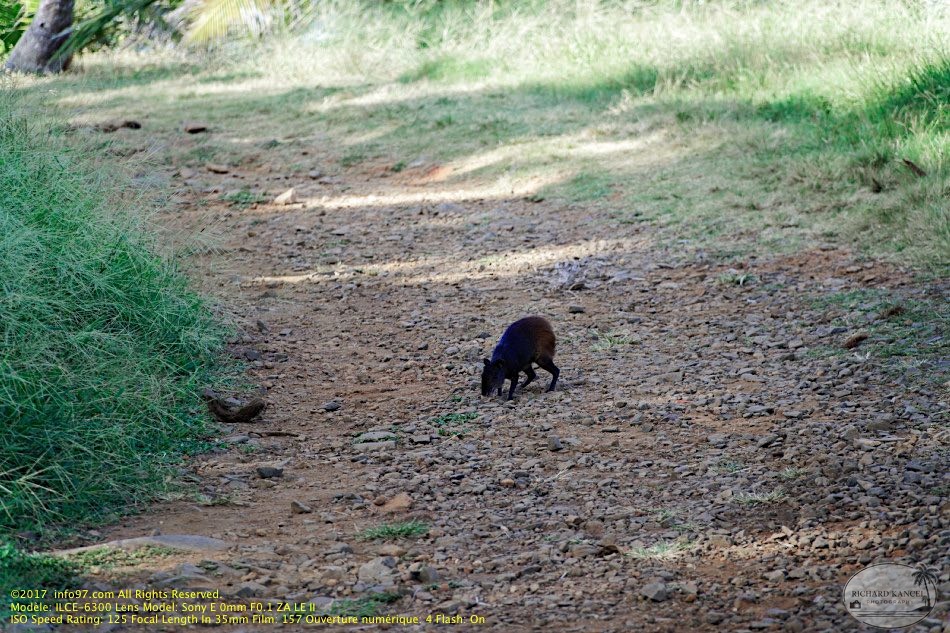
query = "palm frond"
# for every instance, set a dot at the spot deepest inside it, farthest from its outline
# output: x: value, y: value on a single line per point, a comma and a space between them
x: 214, y: 19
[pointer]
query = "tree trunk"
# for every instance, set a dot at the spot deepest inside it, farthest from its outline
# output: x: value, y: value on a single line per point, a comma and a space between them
x: 36, y: 50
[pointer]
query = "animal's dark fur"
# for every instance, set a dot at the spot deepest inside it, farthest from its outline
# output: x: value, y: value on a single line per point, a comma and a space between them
x: 529, y: 340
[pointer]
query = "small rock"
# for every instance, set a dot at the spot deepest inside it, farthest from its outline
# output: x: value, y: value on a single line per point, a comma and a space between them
x: 854, y: 340
x: 554, y: 443
x: 774, y: 576
x: 300, y: 508
x: 594, y: 528
x: 194, y: 127
x: 715, y: 617
x: 423, y: 573
x: 321, y: 604
x: 576, y: 309
x: 288, y: 197
x: 767, y: 440
x: 216, y: 168
x: 331, y: 406
x: 390, y: 549
x: 378, y: 571
x: 251, y: 590
x: 655, y: 591
x: 269, y: 472
x: 399, y: 503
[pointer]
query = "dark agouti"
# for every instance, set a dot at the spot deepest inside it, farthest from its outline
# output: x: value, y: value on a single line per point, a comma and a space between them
x: 526, y: 341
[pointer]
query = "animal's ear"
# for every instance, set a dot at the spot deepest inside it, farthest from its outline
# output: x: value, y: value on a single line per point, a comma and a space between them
x: 487, y: 362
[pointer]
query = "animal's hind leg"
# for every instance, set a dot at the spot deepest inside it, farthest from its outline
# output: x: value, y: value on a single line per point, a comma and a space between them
x: 530, y: 376
x: 548, y: 365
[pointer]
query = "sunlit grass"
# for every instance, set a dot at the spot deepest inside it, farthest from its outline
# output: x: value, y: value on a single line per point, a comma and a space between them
x: 739, y: 126
x: 105, y: 348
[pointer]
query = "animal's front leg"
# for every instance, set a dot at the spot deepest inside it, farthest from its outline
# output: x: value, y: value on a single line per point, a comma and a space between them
x: 514, y: 385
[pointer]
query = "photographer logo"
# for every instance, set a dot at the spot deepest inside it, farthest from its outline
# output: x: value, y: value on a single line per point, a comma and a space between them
x: 891, y: 595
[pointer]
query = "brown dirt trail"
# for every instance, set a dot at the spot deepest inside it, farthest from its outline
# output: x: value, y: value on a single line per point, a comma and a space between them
x: 700, y: 466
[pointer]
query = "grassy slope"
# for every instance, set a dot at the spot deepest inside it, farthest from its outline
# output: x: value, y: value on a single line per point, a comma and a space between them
x: 733, y: 127
x: 104, y: 347
x: 779, y: 124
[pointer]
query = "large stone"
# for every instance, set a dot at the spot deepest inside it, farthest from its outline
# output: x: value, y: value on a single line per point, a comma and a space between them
x: 187, y: 542
x: 367, y: 447
x: 376, y: 436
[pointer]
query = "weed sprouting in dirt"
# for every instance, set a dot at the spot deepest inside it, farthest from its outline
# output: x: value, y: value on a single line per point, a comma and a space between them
x: 364, y: 607
x: 391, y: 531
x: 244, y: 198
x: 453, y: 423
x: 107, y: 558
x: 611, y: 340
x: 735, y: 278
x: 659, y: 551
x: 760, y: 498
x: 791, y: 473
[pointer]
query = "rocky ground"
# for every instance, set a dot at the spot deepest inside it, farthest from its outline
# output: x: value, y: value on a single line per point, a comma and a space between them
x: 713, y: 457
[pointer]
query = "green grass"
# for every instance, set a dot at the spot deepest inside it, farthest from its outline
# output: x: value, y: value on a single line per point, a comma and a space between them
x: 769, y: 124
x: 104, y: 346
x: 760, y: 498
x: 908, y: 335
x: 611, y: 340
x: 367, y: 606
x: 107, y: 558
x: 730, y: 466
x: 19, y: 570
x: 391, y: 531
x: 791, y: 473
x: 737, y: 126
x: 585, y: 187
x: 453, y: 423
x: 244, y: 198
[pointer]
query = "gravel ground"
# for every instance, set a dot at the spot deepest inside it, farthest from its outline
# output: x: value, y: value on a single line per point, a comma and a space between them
x: 713, y: 457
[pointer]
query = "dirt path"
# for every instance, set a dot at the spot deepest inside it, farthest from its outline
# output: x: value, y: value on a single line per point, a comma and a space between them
x: 702, y: 465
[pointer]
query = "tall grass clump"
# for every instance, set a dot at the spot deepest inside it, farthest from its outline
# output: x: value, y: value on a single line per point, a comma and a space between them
x: 103, y: 344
